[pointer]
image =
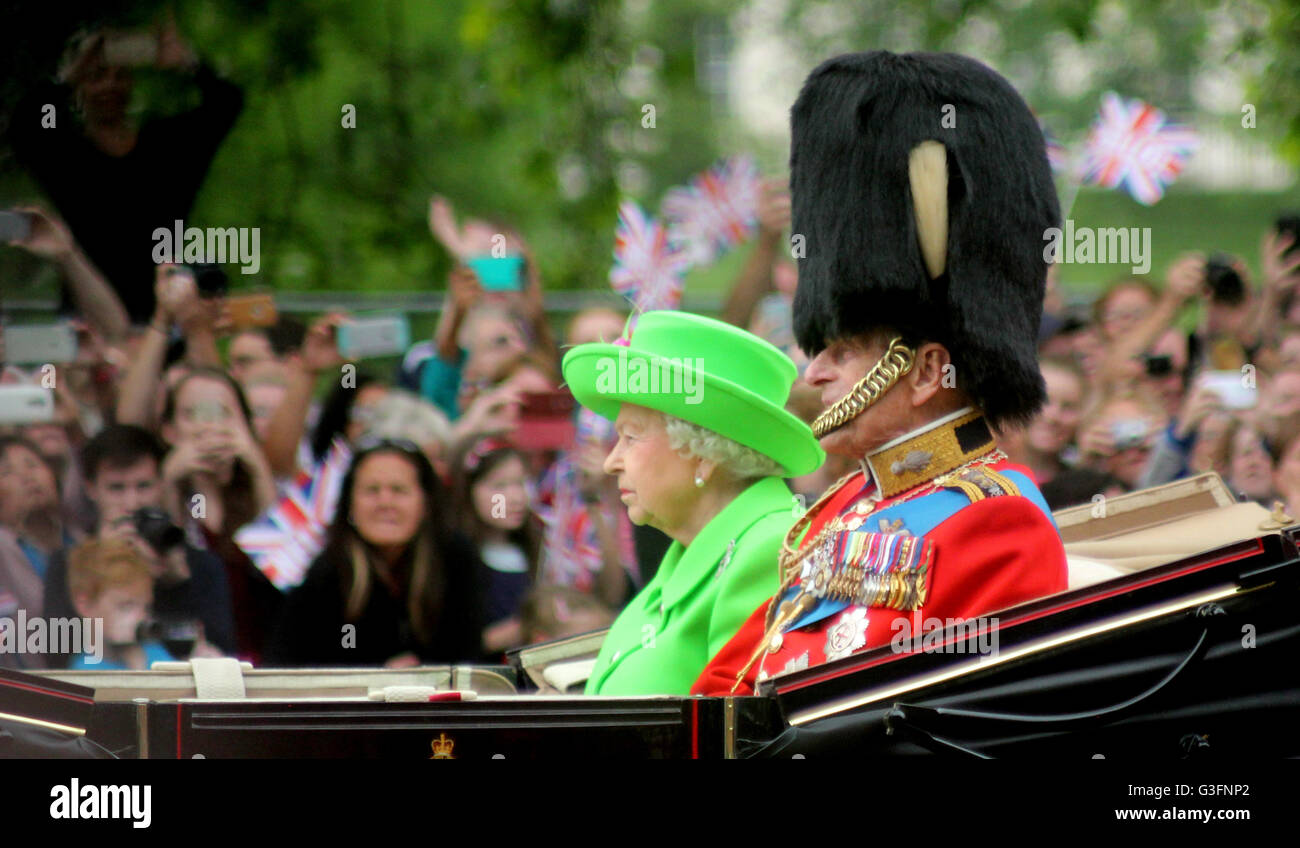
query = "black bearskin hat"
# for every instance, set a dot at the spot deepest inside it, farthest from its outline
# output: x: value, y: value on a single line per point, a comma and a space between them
x: 979, y: 291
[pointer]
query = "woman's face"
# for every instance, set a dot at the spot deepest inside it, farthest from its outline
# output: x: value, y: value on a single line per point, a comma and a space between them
x: 1055, y: 426
x: 501, y: 496
x: 204, y: 406
x: 1124, y: 310
x: 387, y: 502
x: 654, y: 481
x: 1250, y: 467
x: 26, y: 484
x: 359, y: 417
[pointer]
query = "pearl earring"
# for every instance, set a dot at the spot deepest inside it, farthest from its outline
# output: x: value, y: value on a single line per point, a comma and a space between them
x: 699, y: 481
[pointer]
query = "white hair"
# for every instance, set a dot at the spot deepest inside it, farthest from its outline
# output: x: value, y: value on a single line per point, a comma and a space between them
x: 741, y: 462
x: 402, y: 415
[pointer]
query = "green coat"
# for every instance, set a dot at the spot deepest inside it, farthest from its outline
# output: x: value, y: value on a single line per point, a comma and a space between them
x: 696, y: 602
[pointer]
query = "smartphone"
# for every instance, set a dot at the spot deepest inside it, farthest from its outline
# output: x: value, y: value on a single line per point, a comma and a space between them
x: 137, y: 48
x: 1230, y: 388
x: 499, y: 274
x: 40, y: 343
x: 545, y: 421
x: 375, y: 335
x: 26, y: 404
x: 251, y: 310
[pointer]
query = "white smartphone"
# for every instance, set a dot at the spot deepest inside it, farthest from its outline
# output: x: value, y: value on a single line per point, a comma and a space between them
x: 38, y: 344
x: 26, y: 404
x: 1231, y: 388
x: 376, y: 335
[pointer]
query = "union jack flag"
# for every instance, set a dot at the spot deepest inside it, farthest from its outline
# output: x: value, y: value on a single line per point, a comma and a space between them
x: 717, y: 211
x: 1132, y: 144
x: 648, y: 266
x: 283, y: 541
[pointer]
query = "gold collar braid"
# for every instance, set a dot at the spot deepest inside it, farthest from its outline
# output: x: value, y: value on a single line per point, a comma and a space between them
x: 896, y: 361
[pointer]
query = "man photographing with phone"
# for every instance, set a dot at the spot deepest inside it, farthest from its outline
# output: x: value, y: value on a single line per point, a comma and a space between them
x: 102, y: 171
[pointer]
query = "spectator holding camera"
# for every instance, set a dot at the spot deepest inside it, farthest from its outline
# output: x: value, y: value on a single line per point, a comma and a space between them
x: 493, y: 314
x: 395, y: 585
x: 215, y: 480
x: 1117, y: 438
x: 123, y: 466
x: 214, y: 455
x: 1131, y: 316
x: 88, y: 291
x: 93, y: 161
x: 179, y: 306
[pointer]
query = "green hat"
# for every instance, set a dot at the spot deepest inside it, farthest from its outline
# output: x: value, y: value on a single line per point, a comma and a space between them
x: 702, y: 371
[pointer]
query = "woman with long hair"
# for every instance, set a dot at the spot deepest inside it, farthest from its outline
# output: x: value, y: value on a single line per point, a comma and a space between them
x: 494, y: 509
x: 395, y: 584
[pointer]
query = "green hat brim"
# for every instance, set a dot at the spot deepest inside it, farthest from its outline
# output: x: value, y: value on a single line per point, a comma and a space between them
x: 724, y: 407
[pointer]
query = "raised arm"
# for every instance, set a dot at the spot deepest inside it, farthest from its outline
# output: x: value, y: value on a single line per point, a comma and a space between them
x: 172, y: 294
x: 93, y: 297
x: 755, y: 279
x: 320, y: 353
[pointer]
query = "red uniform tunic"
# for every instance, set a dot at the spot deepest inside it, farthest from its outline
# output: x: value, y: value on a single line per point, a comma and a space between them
x: 997, y: 548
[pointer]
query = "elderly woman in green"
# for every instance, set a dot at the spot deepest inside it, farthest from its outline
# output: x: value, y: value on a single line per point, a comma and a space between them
x: 703, y: 443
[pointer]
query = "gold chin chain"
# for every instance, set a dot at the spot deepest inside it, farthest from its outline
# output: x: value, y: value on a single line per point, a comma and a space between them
x: 896, y: 361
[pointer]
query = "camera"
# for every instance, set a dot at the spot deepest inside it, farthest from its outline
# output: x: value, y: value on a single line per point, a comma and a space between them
x: 177, y: 635
x: 1128, y: 433
x: 1226, y: 285
x: 156, y: 528
x: 209, y: 279
x: 1161, y: 365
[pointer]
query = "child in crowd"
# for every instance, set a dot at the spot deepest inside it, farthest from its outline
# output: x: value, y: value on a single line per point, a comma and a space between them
x: 110, y: 581
x: 496, y: 513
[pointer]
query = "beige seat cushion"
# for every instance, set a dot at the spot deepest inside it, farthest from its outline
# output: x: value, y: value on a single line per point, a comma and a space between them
x: 1094, y: 561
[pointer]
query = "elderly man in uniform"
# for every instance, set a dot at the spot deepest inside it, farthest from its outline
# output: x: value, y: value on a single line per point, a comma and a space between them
x: 922, y: 190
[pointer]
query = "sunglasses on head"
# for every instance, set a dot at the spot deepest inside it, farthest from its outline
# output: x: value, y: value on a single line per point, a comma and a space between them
x: 368, y: 444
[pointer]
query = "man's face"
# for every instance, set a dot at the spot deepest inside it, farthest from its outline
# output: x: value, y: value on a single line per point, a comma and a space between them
x: 248, y: 350
x: 835, y: 371
x: 119, y: 491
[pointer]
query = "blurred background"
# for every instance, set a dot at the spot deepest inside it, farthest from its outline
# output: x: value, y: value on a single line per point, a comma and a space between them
x: 531, y: 111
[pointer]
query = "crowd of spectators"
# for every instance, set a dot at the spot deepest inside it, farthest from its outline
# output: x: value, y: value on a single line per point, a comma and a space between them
x: 213, y: 487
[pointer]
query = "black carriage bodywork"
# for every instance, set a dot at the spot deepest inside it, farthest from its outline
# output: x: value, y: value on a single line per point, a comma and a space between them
x: 1191, y: 659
